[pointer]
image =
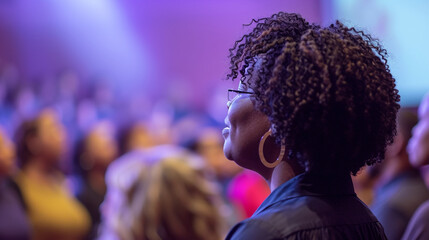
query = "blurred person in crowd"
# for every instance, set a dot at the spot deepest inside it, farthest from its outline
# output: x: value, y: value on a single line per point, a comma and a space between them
x: 136, y: 136
x: 14, y: 224
x: 418, y: 149
x: 53, y: 212
x: 423, y: 110
x: 397, y: 180
x: 93, y: 155
x: 209, y: 145
x: 314, y: 105
x: 186, y: 129
x: 160, y: 193
x: 418, y: 145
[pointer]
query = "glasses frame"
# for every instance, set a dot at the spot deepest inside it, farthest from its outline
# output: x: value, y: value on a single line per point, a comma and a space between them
x: 236, y: 91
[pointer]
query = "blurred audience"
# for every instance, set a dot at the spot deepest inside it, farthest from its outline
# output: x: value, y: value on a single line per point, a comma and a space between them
x: 397, y: 180
x: 161, y: 193
x: 53, y: 212
x: 37, y: 203
x: 14, y: 224
x: 80, y: 105
x: 418, y: 228
x: 93, y: 155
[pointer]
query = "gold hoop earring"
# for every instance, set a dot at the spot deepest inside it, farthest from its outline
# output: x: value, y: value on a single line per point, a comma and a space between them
x: 261, y: 152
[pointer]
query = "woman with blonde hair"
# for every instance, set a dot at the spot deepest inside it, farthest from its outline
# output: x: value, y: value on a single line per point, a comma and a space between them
x: 161, y: 193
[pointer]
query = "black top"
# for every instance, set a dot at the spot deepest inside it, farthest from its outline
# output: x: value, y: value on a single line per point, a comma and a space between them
x: 311, y: 206
x: 14, y: 223
x: 91, y: 199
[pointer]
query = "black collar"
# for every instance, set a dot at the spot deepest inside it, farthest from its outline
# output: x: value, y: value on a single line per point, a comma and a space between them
x: 309, y: 184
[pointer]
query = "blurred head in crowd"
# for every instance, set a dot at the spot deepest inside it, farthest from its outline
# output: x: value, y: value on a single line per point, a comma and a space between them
x: 419, y: 144
x: 93, y: 154
x: 424, y: 107
x: 396, y: 157
x: 209, y: 144
x: 7, y: 154
x: 135, y: 136
x: 97, y: 149
x: 41, y: 139
x: 418, y: 148
x: 160, y: 193
x: 406, y: 121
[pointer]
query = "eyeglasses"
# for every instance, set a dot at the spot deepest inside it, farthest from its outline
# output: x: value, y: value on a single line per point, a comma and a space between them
x: 233, y: 94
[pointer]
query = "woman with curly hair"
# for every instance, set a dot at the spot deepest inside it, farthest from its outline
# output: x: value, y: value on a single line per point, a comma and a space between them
x: 314, y: 105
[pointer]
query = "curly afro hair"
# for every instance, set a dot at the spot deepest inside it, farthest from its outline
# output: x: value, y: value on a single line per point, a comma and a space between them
x: 327, y: 91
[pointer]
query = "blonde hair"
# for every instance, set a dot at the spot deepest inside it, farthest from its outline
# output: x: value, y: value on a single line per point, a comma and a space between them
x: 167, y: 193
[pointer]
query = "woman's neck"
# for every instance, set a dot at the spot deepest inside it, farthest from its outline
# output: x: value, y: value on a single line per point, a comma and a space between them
x: 283, y: 173
x: 40, y: 167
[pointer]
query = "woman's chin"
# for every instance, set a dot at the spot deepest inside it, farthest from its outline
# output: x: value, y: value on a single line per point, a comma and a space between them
x: 227, y: 150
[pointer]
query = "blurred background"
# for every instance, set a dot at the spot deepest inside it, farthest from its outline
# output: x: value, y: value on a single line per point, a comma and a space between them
x: 140, y: 73
x: 141, y: 59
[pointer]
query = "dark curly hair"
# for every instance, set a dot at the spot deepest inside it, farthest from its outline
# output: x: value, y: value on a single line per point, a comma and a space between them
x: 327, y: 91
